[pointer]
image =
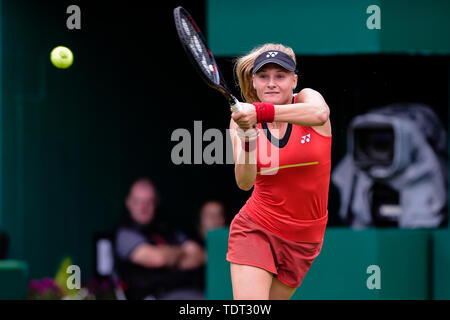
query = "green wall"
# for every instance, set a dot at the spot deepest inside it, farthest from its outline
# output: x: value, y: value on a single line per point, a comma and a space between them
x: 1, y: 113
x: 60, y: 140
x: 13, y: 279
x: 328, y: 26
x: 441, y: 265
x: 413, y: 265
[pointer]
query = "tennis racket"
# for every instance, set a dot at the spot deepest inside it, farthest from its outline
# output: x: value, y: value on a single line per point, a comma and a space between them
x: 194, y: 44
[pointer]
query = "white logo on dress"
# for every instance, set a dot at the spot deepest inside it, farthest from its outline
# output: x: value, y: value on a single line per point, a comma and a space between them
x: 271, y: 54
x: 306, y: 138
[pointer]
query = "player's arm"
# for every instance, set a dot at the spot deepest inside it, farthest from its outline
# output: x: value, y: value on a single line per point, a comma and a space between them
x: 193, y: 255
x: 155, y: 256
x: 310, y: 110
x: 244, y: 162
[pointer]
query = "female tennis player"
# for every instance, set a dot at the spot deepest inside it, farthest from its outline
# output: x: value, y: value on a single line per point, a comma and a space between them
x: 278, y: 233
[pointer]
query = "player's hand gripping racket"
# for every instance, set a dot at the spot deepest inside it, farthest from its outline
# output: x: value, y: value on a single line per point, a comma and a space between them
x: 194, y: 44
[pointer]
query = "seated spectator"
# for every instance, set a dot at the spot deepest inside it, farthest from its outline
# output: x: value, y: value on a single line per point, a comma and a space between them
x: 156, y: 261
x: 212, y: 216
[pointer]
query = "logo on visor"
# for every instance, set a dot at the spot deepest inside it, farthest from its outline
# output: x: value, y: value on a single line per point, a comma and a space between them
x: 271, y: 54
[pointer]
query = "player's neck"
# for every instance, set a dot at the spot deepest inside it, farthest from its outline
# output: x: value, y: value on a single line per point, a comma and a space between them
x: 277, y: 129
x: 276, y: 125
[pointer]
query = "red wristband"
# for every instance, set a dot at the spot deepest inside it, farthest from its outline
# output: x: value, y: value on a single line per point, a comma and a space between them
x: 265, y: 112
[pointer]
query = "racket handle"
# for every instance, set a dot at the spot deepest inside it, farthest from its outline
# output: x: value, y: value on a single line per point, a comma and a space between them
x: 235, y: 105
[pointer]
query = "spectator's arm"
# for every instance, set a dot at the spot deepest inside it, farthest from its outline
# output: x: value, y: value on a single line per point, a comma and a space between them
x: 193, y: 255
x: 158, y: 256
x: 134, y: 247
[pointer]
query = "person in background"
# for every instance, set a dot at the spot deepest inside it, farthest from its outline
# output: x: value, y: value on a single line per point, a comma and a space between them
x: 154, y: 260
x: 212, y: 216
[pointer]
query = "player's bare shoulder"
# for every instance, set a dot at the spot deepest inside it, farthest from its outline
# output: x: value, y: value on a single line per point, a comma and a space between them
x: 308, y: 95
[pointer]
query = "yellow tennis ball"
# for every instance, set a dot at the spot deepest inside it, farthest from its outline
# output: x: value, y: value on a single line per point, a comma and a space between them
x: 61, y: 57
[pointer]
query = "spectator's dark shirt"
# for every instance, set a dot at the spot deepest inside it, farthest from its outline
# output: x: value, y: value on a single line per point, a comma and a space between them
x: 143, y: 281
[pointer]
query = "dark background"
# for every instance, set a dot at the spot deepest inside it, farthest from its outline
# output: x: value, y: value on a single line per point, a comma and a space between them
x: 74, y: 140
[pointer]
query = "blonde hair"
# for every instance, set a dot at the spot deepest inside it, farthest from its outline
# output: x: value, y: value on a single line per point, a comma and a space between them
x: 244, y: 67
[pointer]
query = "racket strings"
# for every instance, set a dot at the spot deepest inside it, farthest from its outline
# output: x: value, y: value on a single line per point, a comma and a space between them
x: 199, y: 50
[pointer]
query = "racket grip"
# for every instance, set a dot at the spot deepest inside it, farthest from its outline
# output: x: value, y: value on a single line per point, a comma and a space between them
x: 235, y: 105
